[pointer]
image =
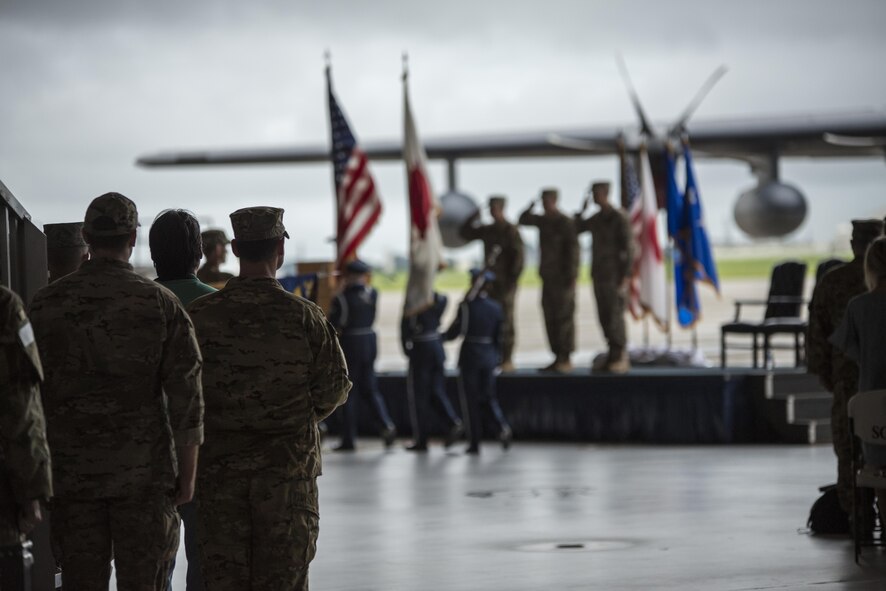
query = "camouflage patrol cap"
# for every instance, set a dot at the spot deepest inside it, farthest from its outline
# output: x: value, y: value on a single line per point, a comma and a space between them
x: 65, y: 235
x: 213, y: 238
x: 497, y: 200
x: 865, y: 231
x: 550, y: 193
x: 258, y: 223
x: 111, y: 214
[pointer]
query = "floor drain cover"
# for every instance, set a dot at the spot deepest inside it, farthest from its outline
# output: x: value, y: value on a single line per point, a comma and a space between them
x: 580, y: 546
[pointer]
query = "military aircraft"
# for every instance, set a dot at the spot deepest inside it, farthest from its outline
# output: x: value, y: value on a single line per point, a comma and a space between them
x: 770, y: 209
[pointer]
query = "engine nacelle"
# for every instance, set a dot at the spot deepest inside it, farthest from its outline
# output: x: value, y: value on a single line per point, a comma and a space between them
x: 771, y: 210
x: 456, y: 208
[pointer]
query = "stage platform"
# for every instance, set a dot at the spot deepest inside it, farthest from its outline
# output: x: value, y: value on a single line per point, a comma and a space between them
x: 661, y: 405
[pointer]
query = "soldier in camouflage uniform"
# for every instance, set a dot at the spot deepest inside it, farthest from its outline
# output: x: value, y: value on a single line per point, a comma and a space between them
x: 25, y: 478
x: 273, y: 370
x: 507, y: 268
x: 215, y: 249
x: 611, y: 261
x: 836, y: 372
x: 558, y: 268
x: 124, y: 409
x: 65, y: 248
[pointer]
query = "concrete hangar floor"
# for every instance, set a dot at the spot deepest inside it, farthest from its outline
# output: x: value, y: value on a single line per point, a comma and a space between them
x: 580, y: 516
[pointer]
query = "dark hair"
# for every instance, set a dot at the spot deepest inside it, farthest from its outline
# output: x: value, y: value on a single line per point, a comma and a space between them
x: 118, y: 242
x: 257, y: 250
x: 176, y: 245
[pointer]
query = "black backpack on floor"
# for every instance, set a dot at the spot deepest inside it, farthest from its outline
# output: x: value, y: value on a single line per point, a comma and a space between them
x: 826, y: 515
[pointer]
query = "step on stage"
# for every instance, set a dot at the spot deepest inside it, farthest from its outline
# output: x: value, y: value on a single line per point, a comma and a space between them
x: 661, y: 405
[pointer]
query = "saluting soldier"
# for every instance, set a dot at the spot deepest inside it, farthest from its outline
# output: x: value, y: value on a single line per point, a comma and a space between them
x: 612, y: 260
x: 420, y: 338
x: 25, y: 479
x: 558, y: 268
x: 65, y: 248
x: 124, y: 409
x: 836, y: 372
x: 215, y: 249
x: 507, y: 267
x: 479, y: 320
x: 352, y: 313
x: 273, y: 370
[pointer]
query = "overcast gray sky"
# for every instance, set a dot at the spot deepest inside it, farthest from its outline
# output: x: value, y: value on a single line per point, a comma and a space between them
x: 90, y: 85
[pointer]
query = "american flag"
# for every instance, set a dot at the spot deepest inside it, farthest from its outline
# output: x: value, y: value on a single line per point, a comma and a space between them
x: 358, y: 203
x: 647, y: 286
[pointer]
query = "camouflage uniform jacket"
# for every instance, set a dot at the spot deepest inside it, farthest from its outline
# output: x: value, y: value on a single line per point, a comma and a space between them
x: 273, y: 370
x: 612, y: 255
x: 122, y: 384
x: 24, y: 455
x: 558, y: 245
x: 509, y: 264
x: 213, y: 277
x: 826, y: 310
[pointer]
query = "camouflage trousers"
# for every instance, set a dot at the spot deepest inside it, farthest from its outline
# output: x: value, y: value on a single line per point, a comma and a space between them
x: 257, y: 532
x: 505, y: 295
x: 558, y: 305
x: 611, y: 312
x: 140, y: 534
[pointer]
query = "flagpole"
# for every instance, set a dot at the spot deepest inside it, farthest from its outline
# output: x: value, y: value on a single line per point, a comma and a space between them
x: 646, y: 331
x: 669, y: 262
x: 669, y: 259
x: 327, y: 58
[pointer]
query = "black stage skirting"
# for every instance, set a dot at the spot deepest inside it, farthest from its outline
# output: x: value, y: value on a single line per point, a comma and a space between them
x: 644, y: 406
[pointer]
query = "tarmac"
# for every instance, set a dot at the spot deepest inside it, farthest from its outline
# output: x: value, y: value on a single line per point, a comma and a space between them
x: 568, y: 516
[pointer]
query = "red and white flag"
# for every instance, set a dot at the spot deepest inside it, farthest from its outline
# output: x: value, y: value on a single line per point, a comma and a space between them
x: 648, y: 286
x: 358, y: 203
x: 425, y: 243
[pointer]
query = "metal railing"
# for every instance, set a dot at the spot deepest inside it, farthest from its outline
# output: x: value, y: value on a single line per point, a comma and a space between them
x: 22, y: 248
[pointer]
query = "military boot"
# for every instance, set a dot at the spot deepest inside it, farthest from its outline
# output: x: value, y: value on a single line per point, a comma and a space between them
x: 620, y: 363
x: 562, y: 365
x: 549, y: 367
x: 600, y: 362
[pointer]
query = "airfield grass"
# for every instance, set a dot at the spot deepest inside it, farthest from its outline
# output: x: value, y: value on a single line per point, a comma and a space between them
x: 728, y: 269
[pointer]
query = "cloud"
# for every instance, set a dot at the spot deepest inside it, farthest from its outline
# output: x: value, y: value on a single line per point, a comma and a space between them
x: 91, y: 85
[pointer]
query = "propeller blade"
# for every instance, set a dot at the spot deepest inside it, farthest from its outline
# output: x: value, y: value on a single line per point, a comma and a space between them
x: 680, y: 125
x: 851, y: 141
x: 635, y: 99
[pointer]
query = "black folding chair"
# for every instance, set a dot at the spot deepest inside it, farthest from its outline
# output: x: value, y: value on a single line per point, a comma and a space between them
x: 782, y: 315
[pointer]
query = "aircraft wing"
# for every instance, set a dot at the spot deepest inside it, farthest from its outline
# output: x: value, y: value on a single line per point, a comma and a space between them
x: 737, y: 138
